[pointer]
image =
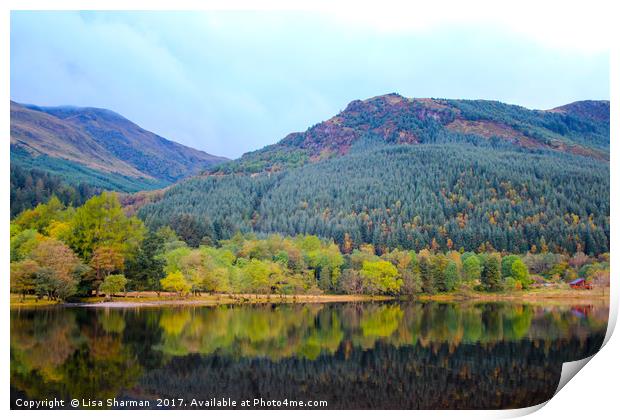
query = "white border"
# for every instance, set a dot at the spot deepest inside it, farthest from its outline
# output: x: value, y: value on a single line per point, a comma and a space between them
x: 592, y: 393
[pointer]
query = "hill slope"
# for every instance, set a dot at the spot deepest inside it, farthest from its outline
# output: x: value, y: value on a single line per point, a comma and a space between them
x: 415, y: 173
x: 91, y: 144
x: 394, y: 119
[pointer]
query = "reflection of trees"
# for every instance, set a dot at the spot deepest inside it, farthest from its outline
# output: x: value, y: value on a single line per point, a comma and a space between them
x: 249, y: 331
x: 42, y: 341
x: 381, y: 321
x: 69, y: 354
x: 307, y: 331
x: 113, y: 322
x: 357, y: 355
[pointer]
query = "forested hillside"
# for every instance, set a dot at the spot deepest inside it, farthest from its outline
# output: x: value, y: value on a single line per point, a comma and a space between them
x: 30, y: 187
x: 447, y: 196
x: 414, y: 174
x: 96, y: 148
x: 580, y: 128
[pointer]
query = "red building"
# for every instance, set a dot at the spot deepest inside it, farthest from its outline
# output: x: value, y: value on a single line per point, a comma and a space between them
x: 580, y: 283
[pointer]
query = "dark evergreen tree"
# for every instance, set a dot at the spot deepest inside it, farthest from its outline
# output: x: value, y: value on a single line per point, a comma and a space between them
x: 146, y: 269
x: 491, y: 274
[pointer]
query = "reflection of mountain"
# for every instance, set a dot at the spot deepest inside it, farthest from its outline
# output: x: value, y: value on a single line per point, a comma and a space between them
x: 352, y: 355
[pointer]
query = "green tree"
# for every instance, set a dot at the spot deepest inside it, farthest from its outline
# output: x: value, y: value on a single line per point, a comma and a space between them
x: 452, y: 276
x: 491, y: 274
x: 46, y: 283
x: 507, y: 262
x: 520, y: 273
x: 147, y: 268
x: 41, y: 216
x: 23, y: 243
x: 101, y: 221
x: 471, y: 269
x: 114, y: 283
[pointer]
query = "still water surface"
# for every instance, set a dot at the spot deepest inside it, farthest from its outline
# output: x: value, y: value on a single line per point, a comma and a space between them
x: 353, y: 355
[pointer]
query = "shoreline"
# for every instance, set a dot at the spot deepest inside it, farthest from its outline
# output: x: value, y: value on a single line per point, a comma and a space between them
x: 150, y: 299
x: 536, y: 296
x: 224, y: 299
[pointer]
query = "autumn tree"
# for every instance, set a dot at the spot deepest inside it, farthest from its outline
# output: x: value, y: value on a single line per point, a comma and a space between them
x: 381, y: 277
x: 352, y: 282
x: 62, y: 267
x: 23, y: 277
x: 406, y: 263
x: 600, y: 278
x: 175, y: 282
x: 105, y: 261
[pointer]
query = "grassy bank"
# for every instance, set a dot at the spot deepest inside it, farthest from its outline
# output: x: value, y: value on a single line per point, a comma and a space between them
x: 523, y: 296
x: 30, y: 301
x: 135, y: 299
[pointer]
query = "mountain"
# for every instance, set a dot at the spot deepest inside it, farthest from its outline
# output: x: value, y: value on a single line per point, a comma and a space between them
x: 414, y: 173
x: 77, y: 152
x: 99, y: 146
x: 593, y: 110
x: 581, y: 128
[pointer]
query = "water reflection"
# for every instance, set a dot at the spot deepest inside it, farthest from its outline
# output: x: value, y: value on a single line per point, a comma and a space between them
x: 362, y: 355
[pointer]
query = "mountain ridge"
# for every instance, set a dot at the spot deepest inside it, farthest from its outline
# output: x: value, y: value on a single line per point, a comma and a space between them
x: 103, y: 140
x: 393, y: 118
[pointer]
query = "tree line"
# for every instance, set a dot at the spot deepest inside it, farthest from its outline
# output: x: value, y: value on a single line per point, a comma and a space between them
x: 60, y: 252
x: 30, y: 187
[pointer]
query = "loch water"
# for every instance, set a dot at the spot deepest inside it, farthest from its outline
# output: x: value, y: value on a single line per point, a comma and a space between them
x: 393, y: 355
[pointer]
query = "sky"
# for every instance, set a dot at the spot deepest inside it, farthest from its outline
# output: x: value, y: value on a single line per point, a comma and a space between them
x: 232, y: 82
